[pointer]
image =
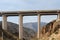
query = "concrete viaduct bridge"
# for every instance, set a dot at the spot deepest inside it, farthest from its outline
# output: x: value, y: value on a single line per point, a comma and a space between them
x: 21, y: 14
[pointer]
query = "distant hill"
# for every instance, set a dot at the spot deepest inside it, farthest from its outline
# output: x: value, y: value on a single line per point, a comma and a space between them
x: 33, y: 25
x: 30, y: 25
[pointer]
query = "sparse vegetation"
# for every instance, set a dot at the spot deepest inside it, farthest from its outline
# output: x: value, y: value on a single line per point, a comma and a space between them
x: 53, y: 38
x: 56, y: 32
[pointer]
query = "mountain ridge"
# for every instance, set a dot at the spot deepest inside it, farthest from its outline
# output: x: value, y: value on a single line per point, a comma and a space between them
x: 33, y: 25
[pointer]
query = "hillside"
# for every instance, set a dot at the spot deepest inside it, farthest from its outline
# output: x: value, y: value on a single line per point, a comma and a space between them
x: 33, y: 25
x: 13, y: 31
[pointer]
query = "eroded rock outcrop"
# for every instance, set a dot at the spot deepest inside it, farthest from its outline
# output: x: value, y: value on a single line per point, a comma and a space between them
x: 51, y: 31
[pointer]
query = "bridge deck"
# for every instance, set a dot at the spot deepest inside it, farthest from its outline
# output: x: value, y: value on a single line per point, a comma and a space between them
x: 27, y: 13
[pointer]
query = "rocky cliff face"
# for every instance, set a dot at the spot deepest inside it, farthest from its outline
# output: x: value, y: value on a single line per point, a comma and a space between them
x: 33, y: 25
x: 47, y: 32
x: 48, y: 28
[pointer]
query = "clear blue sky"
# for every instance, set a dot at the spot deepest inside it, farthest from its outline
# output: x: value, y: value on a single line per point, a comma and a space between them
x: 11, y: 5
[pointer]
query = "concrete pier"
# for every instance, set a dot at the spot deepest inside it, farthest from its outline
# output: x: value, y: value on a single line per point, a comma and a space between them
x: 58, y: 15
x: 20, y: 26
x: 38, y: 31
x: 4, y: 24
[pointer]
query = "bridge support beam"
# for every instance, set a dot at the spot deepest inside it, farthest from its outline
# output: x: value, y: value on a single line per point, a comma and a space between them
x: 58, y: 15
x: 4, y: 24
x: 38, y: 31
x: 20, y: 26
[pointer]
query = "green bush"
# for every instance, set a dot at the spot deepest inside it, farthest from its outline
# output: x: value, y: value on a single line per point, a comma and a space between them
x: 56, y: 32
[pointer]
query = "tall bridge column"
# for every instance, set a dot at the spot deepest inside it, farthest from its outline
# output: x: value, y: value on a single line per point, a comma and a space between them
x: 4, y: 23
x: 58, y: 15
x: 20, y: 26
x: 38, y: 31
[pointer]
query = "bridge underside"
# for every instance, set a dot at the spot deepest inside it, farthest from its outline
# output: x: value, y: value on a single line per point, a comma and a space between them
x: 38, y: 13
x: 30, y: 13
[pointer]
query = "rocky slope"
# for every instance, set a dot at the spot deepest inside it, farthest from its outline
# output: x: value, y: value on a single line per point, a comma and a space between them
x: 47, y: 32
x: 33, y: 25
